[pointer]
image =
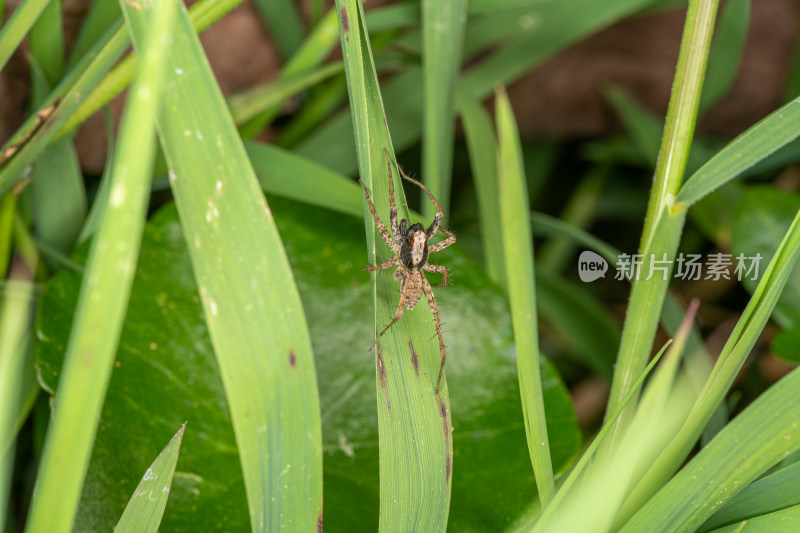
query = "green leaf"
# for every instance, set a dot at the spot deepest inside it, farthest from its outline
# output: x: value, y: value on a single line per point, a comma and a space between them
x: 101, y: 306
x: 760, y: 221
x: 59, y: 197
x: 480, y: 137
x: 15, y: 372
x: 730, y: 361
x: 246, y: 105
x: 765, y: 433
x: 251, y: 304
x: 415, y: 437
x: 166, y: 374
x: 518, y: 253
x: 755, y: 144
x: 146, y: 507
x: 442, y: 34
x: 786, y: 345
x: 664, y: 219
x: 726, y: 52
x: 17, y: 27
x: 784, y: 521
x: 771, y: 493
x: 285, y: 23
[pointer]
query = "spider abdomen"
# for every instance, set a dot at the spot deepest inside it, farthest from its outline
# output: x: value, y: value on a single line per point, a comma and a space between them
x: 413, y: 282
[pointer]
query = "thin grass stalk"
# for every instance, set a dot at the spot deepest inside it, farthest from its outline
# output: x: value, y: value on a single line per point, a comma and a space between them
x: 665, y: 218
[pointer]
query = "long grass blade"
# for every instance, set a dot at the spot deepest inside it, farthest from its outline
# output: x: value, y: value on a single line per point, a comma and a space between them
x: 518, y: 252
x: 761, y: 140
x: 250, y: 301
x: 413, y: 421
x: 664, y: 220
x: 103, y: 299
x: 765, y: 433
x: 15, y: 316
x: 730, y: 361
x: 442, y: 33
x: 480, y: 137
x: 17, y: 26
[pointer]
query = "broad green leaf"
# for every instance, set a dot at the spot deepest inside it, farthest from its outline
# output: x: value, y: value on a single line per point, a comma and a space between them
x: 251, y: 304
x: 765, y: 433
x: 755, y: 144
x: 518, y: 255
x: 146, y: 506
x: 166, y: 374
x: 416, y: 446
x: 104, y: 295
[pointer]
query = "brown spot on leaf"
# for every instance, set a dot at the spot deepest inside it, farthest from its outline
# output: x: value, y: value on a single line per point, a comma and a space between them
x: 292, y: 359
x: 414, y: 360
x: 381, y: 368
x: 345, y: 25
x: 443, y: 414
x: 448, y: 467
x: 319, y: 521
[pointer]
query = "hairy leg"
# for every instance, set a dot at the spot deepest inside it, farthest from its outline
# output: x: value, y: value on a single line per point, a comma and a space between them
x: 441, y: 269
x: 435, y: 310
x: 385, y: 234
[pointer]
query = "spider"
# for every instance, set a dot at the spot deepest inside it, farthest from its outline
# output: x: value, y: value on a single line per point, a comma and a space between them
x: 410, y: 245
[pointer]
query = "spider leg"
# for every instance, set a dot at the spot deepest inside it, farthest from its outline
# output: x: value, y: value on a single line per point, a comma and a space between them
x: 397, y: 315
x: 431, y: 231
x: 392, y: 207
x: 442, y: 244
x: 385, y: 234
x: 441, y: 269
x: 388, y: 264
x: 435, y: 310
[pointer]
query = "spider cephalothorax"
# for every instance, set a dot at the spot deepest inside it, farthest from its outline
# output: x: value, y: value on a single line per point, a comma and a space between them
x: 410, y: 245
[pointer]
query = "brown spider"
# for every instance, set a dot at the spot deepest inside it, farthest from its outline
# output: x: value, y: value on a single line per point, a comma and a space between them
x: 410, y: 245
